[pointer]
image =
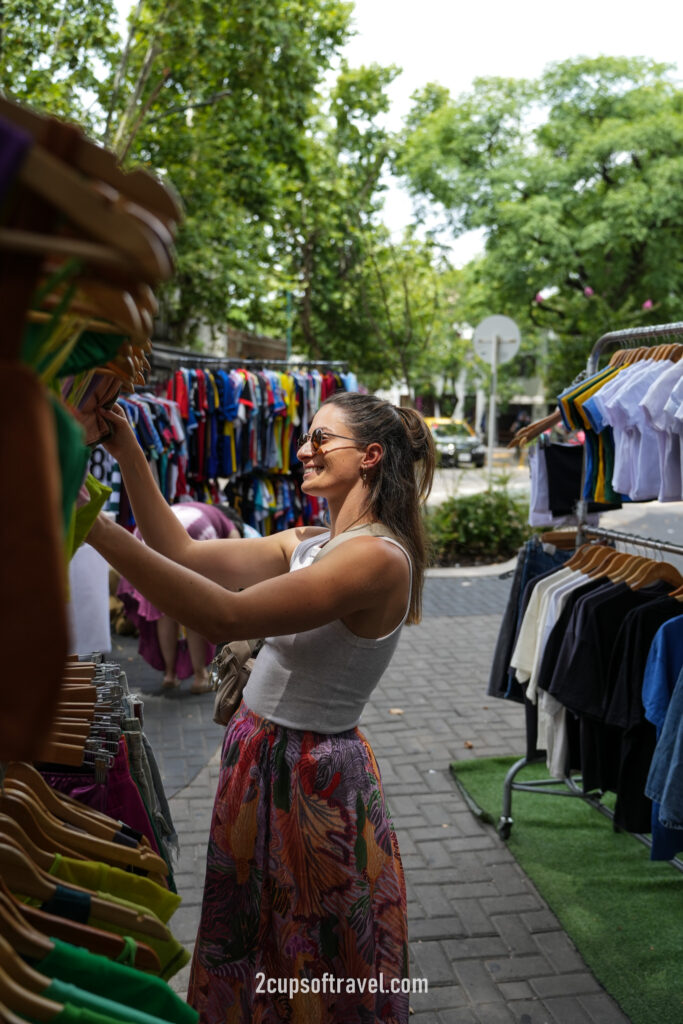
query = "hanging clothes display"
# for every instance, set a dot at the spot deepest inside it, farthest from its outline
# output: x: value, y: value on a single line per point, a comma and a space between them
x: 221, y: 433
x: 628, y: 411
x: 63, y: 247
x: 596, y: 648
x: 86, y: 842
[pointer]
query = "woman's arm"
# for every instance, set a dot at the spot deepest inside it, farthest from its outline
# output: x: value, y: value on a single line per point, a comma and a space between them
x: 363, y: 575
x: 236, y: 564
x: 153, y: 516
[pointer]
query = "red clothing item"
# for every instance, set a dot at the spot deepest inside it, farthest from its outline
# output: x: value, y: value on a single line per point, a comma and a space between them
x: 177, y: 391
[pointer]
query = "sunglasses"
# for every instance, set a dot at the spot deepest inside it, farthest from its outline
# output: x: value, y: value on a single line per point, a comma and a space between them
x: 318, y: 437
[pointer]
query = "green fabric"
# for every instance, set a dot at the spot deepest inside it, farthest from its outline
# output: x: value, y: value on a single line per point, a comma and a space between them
x: 172, y: 955
x: 97, y: 876
x: 77, y: 1015
x: 101, y: 976
x: 86, y: 515
x: 128, y: 953
x: 73, y: 457
x: 621, y: 910
x: 92, y: 350
x: 65, y: 992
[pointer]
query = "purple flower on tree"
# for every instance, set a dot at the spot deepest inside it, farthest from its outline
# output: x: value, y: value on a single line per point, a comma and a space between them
x: 648, y: 304
x: 588, y: 291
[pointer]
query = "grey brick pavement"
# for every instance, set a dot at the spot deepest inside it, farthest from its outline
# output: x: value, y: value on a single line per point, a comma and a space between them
x: 488, y: 945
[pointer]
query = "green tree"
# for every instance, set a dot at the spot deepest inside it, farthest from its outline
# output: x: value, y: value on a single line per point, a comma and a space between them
x: 215, y: 97
x: 360, y: 297
x: 575, y: 179
x: 54, y: 54
x: 280, y: 166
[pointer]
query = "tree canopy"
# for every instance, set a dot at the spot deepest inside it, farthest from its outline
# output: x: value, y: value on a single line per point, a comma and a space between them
x: 575, y: 179
x: 279, y: 154
x: 275, y: 148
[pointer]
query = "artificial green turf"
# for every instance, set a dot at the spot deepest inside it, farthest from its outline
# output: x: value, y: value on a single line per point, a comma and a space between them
x: 623, y: 911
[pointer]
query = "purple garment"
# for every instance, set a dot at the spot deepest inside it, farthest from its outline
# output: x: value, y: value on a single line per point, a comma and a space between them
x: 118, y: 797
x: 81, y: 787
x: 14, y: 144
x: 202, y: 522
x: 124, y: 802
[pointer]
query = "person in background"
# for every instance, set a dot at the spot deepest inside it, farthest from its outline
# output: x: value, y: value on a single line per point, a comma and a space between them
x: 304, y: 881
x: 164, y: 644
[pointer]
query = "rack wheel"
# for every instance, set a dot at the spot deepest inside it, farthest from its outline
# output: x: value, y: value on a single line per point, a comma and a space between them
x: 504, y: 828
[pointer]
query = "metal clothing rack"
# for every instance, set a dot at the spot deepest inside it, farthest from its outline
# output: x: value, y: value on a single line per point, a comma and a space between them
x: 166, y: 357
x: 641, y: 335
x: 570, y: 785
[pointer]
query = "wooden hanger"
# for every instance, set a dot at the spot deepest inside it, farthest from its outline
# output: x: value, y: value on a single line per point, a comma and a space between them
x: 17, y: 806
x: 55, y: 802
x: 12, y: 830
x: 560, y: 538
x: 99, y: 301
x: 587, y: 555
x: 50, y: 178
x: 101, y: 164
x: 7, y: 1016
x: 104, y: 826
x: 653, y: 572
x: 596, y: 558
x: 19, y: 1000
x: 22, y: 974
x: 108, y: 944
x: 25, y: 877
x: 580, y: 556
x: 621, y: 573
x: 21, y: 936
x: 611, y: 563
x: 36, y: 243
x: 89, y: 846
x: 532, y: 430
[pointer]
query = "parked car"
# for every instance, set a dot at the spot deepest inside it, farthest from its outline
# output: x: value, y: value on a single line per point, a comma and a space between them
x: 456, y: 443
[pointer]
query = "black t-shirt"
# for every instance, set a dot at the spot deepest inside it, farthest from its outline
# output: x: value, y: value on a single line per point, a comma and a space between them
x: 559, y: 630
x: 625, y: 710
x: 580, y: 679
x: 581, y: 671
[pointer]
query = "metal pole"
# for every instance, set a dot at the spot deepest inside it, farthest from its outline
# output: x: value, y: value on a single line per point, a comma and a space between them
x: 289, y: 324
x: 492, y: 406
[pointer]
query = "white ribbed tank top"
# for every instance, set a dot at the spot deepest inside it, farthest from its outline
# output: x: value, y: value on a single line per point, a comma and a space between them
x: 321, y: 679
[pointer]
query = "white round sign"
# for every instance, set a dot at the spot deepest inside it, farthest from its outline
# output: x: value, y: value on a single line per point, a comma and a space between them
x: 502, y: 329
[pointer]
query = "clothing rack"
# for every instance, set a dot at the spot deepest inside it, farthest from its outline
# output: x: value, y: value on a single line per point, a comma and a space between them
x: 641, y: 335
x: 569, y: 786
x: 634, y: 539
x: 169, y: 358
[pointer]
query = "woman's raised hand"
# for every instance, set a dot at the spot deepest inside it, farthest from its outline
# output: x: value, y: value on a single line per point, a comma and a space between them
x: 122, y: 440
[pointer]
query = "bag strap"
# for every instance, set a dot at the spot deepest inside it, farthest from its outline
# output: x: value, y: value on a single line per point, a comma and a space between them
x: 364, y: 530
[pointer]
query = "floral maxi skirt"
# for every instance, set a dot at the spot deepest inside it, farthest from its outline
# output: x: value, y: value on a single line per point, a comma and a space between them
x: 304, y: 913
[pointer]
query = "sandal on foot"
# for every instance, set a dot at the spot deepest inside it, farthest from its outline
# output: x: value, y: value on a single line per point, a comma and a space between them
x: 170, y: 684
x: 203, y: 687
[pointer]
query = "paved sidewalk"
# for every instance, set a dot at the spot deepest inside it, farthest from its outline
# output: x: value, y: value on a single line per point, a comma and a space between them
x: 488, y: 945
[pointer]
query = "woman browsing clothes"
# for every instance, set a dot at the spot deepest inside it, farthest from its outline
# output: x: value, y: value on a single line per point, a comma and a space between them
x: 304, y: 878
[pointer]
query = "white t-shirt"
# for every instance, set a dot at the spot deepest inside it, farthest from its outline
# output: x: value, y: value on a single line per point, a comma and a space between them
x: 661, y: 423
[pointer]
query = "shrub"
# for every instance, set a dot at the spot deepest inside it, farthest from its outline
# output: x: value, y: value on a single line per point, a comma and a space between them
x: 477, y: 528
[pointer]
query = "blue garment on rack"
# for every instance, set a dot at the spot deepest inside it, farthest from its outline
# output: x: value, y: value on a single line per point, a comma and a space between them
x: 664, y: 664
x: 665, y: 779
